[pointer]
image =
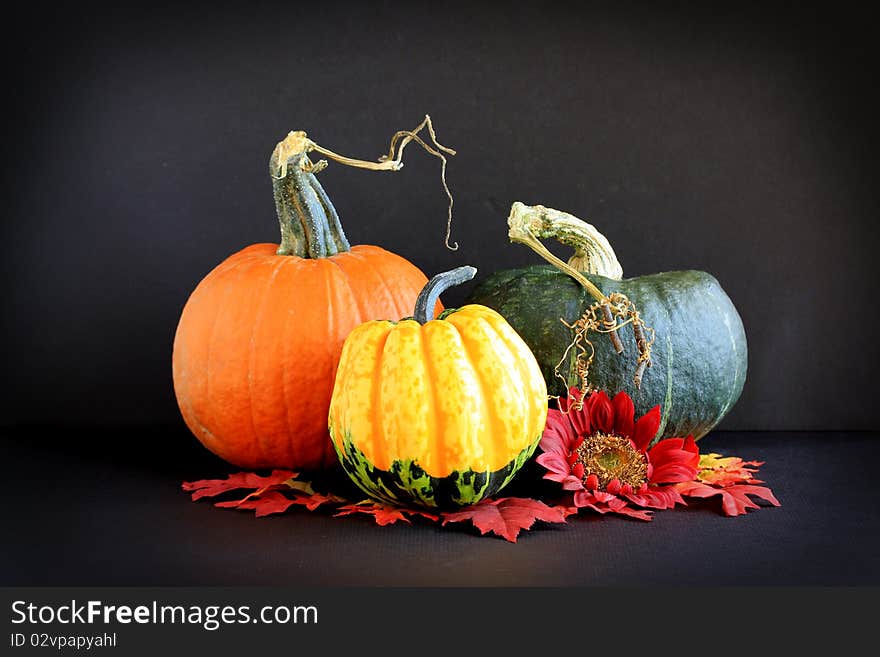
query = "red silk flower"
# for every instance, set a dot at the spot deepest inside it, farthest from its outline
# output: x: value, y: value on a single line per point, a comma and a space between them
x: 596, y: 449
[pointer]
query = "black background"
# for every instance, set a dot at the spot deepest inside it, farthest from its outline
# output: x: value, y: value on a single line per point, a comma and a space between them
x: 740, y: 140
x: 733, y: 139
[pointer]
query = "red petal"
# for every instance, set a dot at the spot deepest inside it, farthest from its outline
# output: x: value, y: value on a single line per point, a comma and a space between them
x: 572, y: 483
x: 578, y: 470
x: 558, y: 433
x: 556, y: 476
x: 602, y: 496
x: 657, y: 497
x: 674, y: 460
x: 596, y: 500
x: 565, y: 403
x: 592, y: 482
x: 583, y: 499
x: 601, y: 413
x: 624, y: 412
x: 574, y: 394
x: 552, y: 443
x: 646, y: 428
x: 613, y: 486
x: 554, y: 463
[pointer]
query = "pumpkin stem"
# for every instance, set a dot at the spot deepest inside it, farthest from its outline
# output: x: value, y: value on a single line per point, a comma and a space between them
x: 424, y: 311
x: 310, y: 226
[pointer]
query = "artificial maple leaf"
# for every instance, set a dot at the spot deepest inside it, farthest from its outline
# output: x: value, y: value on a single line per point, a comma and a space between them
x: 266, y: 497
x: 506, y: 516
x: 214, y: 487
x: 313, y: 500
x: 735, y: 499
x: 727, y: 471
x: 383, y: 514
x: 264, y: 504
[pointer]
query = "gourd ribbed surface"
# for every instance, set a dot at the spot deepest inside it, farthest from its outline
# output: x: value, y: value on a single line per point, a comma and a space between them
x: 439, y: 414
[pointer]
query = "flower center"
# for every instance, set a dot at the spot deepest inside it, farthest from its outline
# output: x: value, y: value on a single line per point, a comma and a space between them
x: 612, y: 457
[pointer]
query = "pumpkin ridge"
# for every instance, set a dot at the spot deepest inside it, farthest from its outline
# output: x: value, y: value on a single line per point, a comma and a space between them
x: 258, y: 318
x: 239, y: 269
x: 375, y: 397
x: 361, y: 316
x: 291, y: 438
x: 513, y: 376
x: 522, y: 368
x: 455, y: 384
x: 331, y: 292
x: 378, y: 274
x: 523, y: 378
x: 437, y: 420
x: 207, y: 433
x: 490, y: 448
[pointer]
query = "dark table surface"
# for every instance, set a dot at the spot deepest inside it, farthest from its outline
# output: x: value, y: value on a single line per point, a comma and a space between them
x: 104, y: 507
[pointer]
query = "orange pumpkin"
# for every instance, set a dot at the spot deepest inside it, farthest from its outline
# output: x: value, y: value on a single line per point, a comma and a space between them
x: 259, y: 339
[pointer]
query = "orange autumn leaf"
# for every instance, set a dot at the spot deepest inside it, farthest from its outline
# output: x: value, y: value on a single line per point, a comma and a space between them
x: 726, y: 471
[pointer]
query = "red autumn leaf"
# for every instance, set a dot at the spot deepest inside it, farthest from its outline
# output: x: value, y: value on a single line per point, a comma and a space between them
x: 383, y: 514
x: 506, y: 516
x: 734, y: 498
x: 214, y: 487
x: 264, y: 504
x: 314, y: 500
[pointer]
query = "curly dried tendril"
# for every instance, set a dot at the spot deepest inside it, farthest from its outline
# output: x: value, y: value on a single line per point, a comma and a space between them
x: 297, y: 143
x: 607, y: 316
x: 593, y: 255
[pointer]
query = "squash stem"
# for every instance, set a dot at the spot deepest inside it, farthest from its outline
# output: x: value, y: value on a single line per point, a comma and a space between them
x: 427, y: 300
x: 521, y: 233
x: 522, y: 221
x: 592, y: 250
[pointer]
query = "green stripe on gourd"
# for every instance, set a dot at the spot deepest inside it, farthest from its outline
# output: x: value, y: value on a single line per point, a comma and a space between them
x: 407, y: 484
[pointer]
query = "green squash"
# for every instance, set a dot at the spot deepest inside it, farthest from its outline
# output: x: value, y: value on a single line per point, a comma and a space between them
x: 698, y: 359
